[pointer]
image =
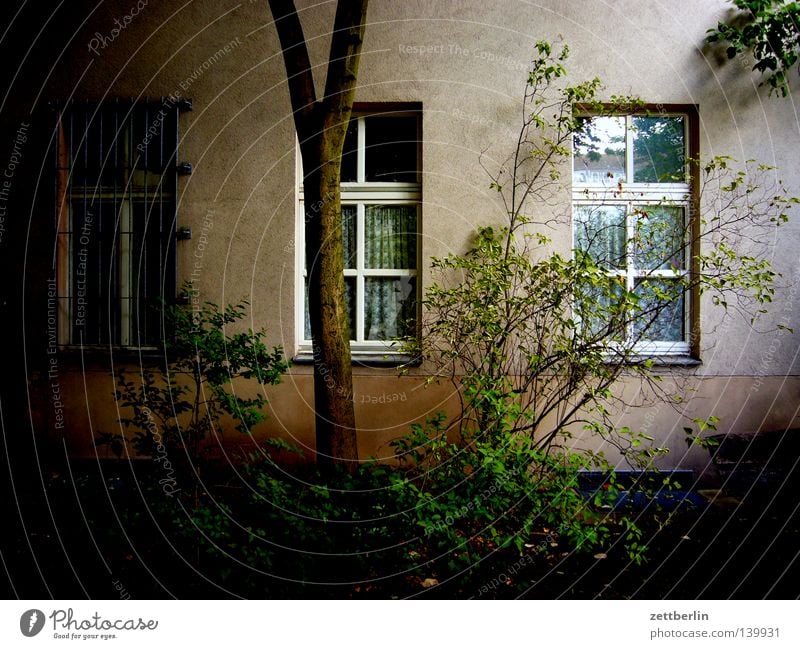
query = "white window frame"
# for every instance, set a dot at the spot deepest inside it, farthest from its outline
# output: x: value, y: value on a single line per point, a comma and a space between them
x: 632, y: 195
x: 361, y: 194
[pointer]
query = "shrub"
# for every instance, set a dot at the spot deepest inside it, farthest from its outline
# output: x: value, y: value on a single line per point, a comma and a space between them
x: 173, y: 408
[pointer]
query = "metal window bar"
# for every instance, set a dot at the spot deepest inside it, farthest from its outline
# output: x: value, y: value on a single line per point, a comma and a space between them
x: 116, y: 214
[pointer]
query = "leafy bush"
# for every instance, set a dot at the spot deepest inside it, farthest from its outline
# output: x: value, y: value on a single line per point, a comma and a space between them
x: 173, y: 408
x: 492, y: 492
x: 536, y: 343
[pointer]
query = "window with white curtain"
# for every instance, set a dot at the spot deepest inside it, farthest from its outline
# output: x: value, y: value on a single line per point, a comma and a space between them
x: 381, y: 193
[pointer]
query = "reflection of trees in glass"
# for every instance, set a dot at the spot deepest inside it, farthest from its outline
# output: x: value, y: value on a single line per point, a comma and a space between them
x: 585, y: 139
x: 599, y: 145
x: 659, y: 240
x: 660, y: 312
x: 600, y: 231
x: 659, y: 149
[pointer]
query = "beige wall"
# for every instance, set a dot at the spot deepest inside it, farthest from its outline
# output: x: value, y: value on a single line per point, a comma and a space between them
x: 469, y: 78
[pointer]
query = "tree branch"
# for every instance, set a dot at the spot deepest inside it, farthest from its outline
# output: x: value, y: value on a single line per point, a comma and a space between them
x: 348, y: 35
x: 298, y: 66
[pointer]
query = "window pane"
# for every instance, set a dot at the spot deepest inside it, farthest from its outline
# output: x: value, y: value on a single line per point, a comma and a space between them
x: 95, y: 273
x: 660, y: 315
x: 600, y: 231
x: 391, y: 149
x: 350, y: 302
x: 306, y: 316
x: 659, y: 150
x: 390, y: 238
x: 151, y: 255
x: 659, y: 243
x: 599, y: 151
x: 97, y: 144
x: 349, y: 296
x: 598, y: 310
x: 349, y: 235
x: 350, y: 153
x: 121, y: 244
x: 389, y: 307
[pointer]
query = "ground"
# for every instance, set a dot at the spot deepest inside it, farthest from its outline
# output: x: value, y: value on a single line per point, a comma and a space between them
x: 742, y: 542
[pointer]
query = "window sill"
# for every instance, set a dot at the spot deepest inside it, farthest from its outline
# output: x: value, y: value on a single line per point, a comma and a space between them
x: 666, y: 360
x: 363, y: 359
x: 123, y: 354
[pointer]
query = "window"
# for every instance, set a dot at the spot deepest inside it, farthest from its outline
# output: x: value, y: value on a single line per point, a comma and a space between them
x: 381, y: 193
x: 632, y: 195
x: 116, y: 189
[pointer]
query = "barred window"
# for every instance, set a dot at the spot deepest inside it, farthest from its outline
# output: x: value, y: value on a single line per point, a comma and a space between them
x: 116, y: 190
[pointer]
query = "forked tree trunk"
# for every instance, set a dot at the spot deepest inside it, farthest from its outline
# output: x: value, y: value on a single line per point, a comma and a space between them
x: 321, y: 126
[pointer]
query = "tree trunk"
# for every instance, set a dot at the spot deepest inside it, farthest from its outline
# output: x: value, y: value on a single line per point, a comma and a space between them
x: 321, y: 127
x: 333, y: 380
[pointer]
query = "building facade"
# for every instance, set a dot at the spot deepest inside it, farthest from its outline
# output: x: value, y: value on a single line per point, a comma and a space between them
x: 148, y: 144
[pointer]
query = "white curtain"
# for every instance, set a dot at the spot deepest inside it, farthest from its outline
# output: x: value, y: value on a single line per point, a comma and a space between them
x: 390, y: 242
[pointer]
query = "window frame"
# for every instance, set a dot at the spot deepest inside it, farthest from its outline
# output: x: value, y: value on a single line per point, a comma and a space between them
x: 641, y: 194
x: 362, y: 194
x: 158, y: 199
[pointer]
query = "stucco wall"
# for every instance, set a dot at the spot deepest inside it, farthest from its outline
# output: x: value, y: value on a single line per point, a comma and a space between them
x: 465, y: 62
